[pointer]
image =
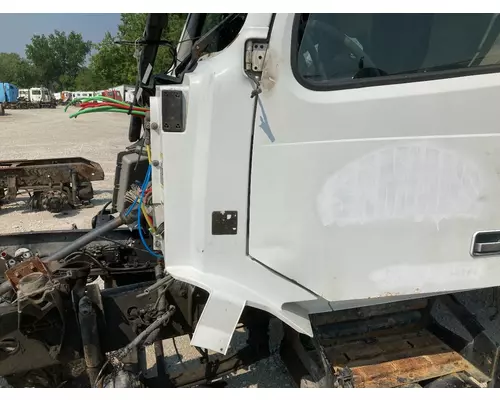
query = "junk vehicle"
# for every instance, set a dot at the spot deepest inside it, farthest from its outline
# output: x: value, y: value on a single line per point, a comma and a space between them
x: 111, y: 93
x: 24, y: 95
x: 42, y: 98
x: 77, y: 96
x: 63, y: 97
x: 34, y: 98
x: 125, y: 91
x: 23, y: 100
x: 8, y: 94
x: 52, y: 184
x: 331, y: 170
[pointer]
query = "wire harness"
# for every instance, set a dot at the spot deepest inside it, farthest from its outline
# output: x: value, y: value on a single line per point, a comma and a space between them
x: 96, y: 104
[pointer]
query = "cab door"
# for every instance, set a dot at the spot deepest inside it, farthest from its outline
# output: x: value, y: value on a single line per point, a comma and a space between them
x: 376, y: 154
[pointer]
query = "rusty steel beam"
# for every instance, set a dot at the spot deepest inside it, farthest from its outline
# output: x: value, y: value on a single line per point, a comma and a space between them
x: 399, y: 360
x: 410, y: 370
x: 49, y: 171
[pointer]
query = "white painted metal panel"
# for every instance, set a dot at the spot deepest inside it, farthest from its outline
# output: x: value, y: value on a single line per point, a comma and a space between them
x: 206, y: 169
x: 376, y: 192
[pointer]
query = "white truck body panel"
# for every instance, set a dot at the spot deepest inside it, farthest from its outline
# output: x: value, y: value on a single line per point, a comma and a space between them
x: 384, y: 186
x: 202, y: 182
x: 344, y: 198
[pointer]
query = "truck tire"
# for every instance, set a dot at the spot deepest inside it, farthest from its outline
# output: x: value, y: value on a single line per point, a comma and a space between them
x: 2, y: 110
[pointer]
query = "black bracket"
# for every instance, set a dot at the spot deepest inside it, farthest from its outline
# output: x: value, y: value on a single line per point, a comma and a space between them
x: 224, y: 222
x: 172, y: 111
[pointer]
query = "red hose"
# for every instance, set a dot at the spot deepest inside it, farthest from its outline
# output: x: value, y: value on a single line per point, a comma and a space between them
x: 108, y: 104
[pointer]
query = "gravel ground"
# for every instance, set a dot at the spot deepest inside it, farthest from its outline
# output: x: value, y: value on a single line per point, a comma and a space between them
x: 47, y: 133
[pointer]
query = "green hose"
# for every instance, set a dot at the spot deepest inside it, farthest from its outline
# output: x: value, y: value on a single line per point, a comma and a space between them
x: 106, y: 109
x: 95, y: 98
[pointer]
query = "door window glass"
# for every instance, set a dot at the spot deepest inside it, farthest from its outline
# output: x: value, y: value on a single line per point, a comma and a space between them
x: 329, y: 49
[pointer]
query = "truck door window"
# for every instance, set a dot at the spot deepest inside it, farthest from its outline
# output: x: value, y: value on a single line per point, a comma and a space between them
x: 227, y: 29
x: 334, y: 51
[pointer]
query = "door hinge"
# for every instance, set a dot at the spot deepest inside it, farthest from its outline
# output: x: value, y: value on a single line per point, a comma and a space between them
x: 255, y: 55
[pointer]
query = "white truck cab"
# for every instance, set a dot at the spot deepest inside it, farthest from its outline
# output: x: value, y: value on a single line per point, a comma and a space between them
x: 24, y: 94
x: 318, y: 162
x: 39, y: 95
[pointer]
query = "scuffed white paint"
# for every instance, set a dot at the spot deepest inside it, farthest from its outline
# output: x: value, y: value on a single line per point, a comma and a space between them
x: 412, y: 278
x: 414, y: 182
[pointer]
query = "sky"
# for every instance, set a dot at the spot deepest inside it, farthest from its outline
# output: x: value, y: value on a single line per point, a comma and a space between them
x: 16, y: 30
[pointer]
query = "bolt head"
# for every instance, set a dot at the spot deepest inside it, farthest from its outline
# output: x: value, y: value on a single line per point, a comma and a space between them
x: 154, y: 125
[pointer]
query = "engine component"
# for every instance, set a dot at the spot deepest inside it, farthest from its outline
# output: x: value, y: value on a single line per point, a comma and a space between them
x: 23, y: 253
x: 33, y: 286
x: 131, y: 167
x: 89, y: 237
x: 23, y: 270
x: 14, y: 275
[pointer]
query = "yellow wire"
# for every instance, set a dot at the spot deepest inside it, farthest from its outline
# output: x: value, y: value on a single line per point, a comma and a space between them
x: 143, y: 208
x: 151, y: 226
x: 148, y: 150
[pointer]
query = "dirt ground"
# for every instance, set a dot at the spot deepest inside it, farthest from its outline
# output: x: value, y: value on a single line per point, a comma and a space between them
x: 47, y: 133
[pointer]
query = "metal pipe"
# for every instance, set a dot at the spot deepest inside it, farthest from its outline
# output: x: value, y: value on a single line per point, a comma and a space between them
x: 74, y: 187
x: 90, y: 338
x: 162, y: 301
x: 5, y: 287
x: 146, y: 332
x: 89, y: 237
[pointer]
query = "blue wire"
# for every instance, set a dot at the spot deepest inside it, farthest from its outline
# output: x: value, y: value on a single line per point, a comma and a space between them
x: 145, y: 183
x: 132, y: 206
x: 136, y: 198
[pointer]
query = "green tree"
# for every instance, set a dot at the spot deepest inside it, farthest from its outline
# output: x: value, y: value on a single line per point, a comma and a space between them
x: 58, y: 55
x: 112, y: 63
x: 9, y: 63
x: 27, y: 75
x: 116, y: 64
x: 16, y: 70
x: 87, y: 79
